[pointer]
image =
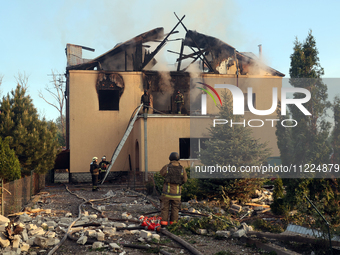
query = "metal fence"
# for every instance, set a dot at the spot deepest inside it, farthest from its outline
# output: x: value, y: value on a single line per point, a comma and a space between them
x: 16, y: 194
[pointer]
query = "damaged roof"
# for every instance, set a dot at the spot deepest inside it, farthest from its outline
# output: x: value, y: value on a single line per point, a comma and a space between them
x: 212, y: 51
x: 154, y: 34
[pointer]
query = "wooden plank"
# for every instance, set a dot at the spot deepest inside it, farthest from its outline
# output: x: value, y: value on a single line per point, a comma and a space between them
x: 253, y: 204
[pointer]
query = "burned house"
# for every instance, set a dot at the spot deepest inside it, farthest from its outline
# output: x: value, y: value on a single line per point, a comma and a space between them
x: 104, y: 93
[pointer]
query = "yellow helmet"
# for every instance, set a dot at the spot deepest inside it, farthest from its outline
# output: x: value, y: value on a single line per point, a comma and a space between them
x: 94, y: 158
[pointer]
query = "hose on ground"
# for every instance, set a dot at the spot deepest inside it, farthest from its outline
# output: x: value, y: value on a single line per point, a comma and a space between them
x: 189, y: 247
x: 79, y: 216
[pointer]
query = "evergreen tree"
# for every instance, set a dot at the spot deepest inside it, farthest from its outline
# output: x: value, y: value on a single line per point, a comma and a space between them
x: 309, y: 137
x: 284, y: 142
x: 336, y: 132
x: 61, y: 133
x: 234, y: 146
x: 33, y: 140
x: 307, y: 142
x: 9, y: 163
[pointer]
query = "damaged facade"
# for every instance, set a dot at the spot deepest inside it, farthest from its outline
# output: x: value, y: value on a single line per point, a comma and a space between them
x: 103, y: 93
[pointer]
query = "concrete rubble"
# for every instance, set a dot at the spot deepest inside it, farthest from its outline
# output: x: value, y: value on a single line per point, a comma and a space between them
x: 43, y: 230
x: 260, y: 203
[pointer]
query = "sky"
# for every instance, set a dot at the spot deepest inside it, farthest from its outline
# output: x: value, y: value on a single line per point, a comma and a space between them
x: 34, y: 33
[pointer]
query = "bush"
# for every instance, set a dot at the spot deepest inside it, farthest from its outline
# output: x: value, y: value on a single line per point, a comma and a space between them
x: 240, y: 189
x: 9, y: 163
x: 265, y: 226
x: 189, y: 226
x: 279, y: 206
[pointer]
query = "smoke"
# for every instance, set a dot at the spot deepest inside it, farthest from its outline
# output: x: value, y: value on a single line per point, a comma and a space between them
x: 103, y: 24
x: 195, y: 94
x: 162, y: 98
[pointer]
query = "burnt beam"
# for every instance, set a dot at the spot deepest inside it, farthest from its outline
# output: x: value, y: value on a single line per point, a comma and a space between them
x: 191, y: 63
x: 148, y: 59
x: 205, y: 60
x: 192, y: 55
x: 184, y: 56
x: 180, y: 57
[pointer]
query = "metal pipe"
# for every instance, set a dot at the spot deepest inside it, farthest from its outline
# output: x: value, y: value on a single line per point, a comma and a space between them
x: 329, y: 233
x: 146, y: 147
x: 189, y: 247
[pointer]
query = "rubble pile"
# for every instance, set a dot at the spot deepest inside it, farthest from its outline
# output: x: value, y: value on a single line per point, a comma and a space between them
x: 39, y: 230
x: 45, y: 230
x: 258, y: 205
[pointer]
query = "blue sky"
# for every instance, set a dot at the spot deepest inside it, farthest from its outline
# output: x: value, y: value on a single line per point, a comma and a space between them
x: 34, y: 33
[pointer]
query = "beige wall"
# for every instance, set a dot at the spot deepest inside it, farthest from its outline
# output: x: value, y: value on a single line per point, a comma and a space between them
x: 94, y: 132
x: 97, y: 133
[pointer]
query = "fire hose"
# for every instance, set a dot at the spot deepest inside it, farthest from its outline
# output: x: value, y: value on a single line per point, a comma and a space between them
x: 151, y: 223
x: 79, y: 216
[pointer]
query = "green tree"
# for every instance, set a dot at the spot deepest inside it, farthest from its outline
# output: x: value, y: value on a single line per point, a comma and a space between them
x: 33, y: 140
x: 307, y: 142
x: 336, y: 132
x: 310, y: 136
x: 9, y: 163
x: 233, y: 146
x: 61, y: 133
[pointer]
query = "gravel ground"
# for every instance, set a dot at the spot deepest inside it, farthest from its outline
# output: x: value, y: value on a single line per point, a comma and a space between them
x: 61, y: 202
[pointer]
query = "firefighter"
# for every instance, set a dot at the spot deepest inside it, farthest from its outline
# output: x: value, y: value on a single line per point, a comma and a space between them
x: 179, y: 100
x: 103, y: 165
x: 175, y: 176
x: 145, y: 100
x: 94, y: 169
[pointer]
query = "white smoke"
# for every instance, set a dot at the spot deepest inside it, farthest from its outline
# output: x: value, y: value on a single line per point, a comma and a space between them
x: 103, y: 24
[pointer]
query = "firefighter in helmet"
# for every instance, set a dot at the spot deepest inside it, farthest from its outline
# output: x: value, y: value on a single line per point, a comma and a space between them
x: 175, y: 176
x: 94, y: 169
x: 103, y: 165
x: 179, y: 100
x: 145, y: 100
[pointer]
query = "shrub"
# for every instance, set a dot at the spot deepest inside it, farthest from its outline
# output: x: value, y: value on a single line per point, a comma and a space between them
x: 9, y: 163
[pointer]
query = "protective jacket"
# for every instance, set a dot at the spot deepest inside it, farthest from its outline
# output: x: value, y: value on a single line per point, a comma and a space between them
x: 179, y: 99
x: 94, y: 168
x: 175, y: 175
x: 145, y: 99
x: 103, y: 165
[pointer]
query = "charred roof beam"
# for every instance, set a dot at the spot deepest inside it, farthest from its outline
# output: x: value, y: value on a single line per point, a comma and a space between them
x: 159, y: 47
x: 180, y: 56
x: 185, y: 56
x: 201, y: 53
x: 191, y: 63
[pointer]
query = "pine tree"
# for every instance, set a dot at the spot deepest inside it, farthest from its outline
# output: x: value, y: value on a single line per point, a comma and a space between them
x: 33, y: 140
x: 309, y: 137
x: 234, y: 146
x: 336, y: 132
x: 284, y: 142
x: 307, y: 143
x: 9, y: 163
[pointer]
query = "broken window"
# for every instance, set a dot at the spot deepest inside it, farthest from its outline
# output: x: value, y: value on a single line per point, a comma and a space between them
x: 108, y: 100
x: 189, y: 148
x: 110, y: 87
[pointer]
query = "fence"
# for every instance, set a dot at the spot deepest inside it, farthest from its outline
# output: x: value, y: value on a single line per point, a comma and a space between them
x: 16, y: 194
